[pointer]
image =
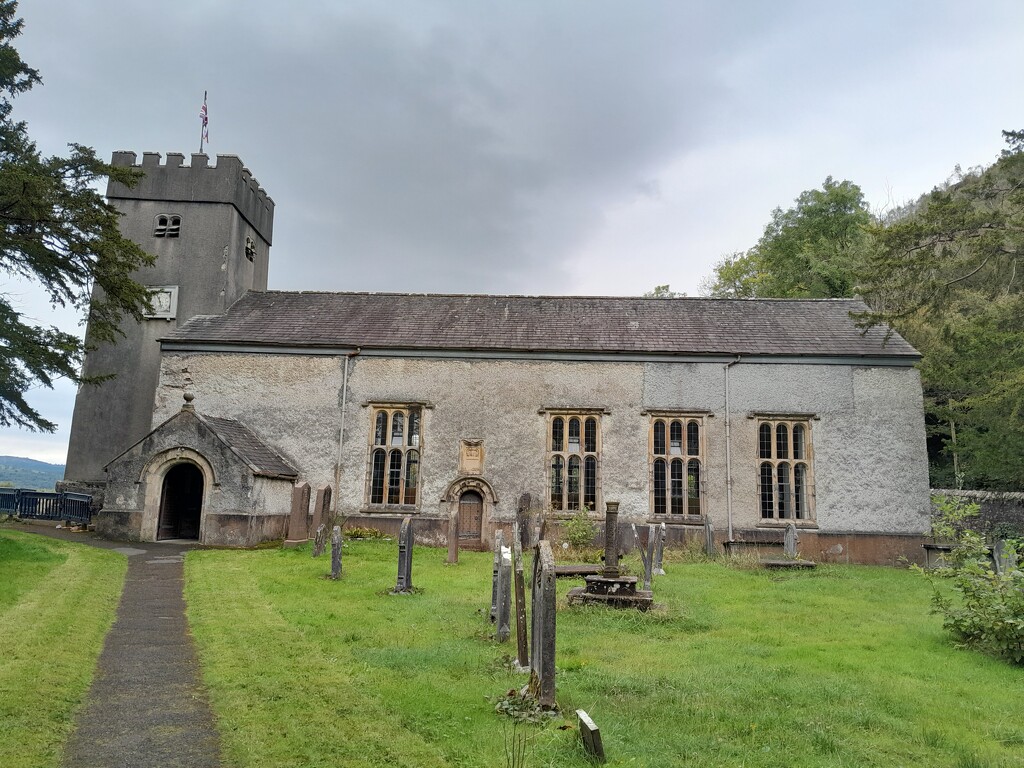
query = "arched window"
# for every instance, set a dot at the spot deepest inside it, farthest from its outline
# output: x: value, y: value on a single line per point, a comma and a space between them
x: 676, y: 484
x: 784, y: 448
x: 575, y: 441
x: 395, y: 456
x: 167, y: 225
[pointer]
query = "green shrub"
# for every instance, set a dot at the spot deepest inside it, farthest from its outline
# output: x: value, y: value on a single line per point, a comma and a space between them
x: 988, y: 612
x: 579, y: 530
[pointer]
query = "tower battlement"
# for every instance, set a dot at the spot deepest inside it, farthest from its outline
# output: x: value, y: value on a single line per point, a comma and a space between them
x: 229, y: 181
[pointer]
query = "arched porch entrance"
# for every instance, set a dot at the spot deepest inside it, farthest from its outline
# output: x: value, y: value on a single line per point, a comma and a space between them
x: 472, y: 501
x: 181, y: 502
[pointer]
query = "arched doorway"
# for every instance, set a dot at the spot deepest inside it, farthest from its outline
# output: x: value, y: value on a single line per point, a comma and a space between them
x: 181, y: 502
x: 471, y: 515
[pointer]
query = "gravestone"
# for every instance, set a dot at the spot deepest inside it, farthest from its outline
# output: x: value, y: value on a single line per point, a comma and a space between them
x: 453, y: 537
x: 790, y: 541
x: 336, y: 553
x: 542, y: 640
x: 322, y: 507
x: 498, y: 544
x: 298, y: 521
x: 646, y: 553
x: 659, y: 552
x: 590, y: 735
x: 709, y: 538
x: 522, y: 652
x: 320, y: 540
x: 523, y: 521
x: 504, y: 595
x: 405, y: 541
x: 611, y: 587
x: 1003, y: 558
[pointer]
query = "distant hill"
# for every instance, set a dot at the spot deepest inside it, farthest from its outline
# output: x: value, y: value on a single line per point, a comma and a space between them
x: 29, y: 473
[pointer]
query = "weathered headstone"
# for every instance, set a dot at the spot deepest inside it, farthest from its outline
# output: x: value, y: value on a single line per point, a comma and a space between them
x: 453, y: 537
x: 1003, y: 558
x: 504, y: 595
x: 336, y: 553
x: 522, y: 651
x: 405, y: 542
x: 320, y: 540
x: 498, y: 544
x: 523, y: 521
x: 790, y: 541
x: 646, y: 552
x: 709, y: 538
x: 659, y: 552
x: 590, y: 735
x: 298, y: 521
x: 611, y: 540
x: 542, y: 636
x: 322, y: 507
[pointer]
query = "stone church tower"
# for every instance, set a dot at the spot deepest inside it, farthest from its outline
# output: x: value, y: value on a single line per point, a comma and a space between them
x: 210, y: 228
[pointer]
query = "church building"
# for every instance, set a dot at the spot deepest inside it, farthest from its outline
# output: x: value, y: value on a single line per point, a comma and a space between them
x: 750, y: 415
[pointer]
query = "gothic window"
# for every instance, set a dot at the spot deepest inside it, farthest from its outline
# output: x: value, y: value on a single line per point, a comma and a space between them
x: 677, y: 465
x: 784, y: 473
x: 574, y: 440
x: 167, y: 225
x: 393, y: 473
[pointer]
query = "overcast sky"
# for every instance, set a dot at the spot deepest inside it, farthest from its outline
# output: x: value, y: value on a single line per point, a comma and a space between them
x: 525, y: 147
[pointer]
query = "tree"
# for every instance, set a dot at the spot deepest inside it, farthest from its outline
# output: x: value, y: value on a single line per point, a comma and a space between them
x: 663, y: 292
x: 949, y: 277
x: 815, y: 249
x: 55, y: 230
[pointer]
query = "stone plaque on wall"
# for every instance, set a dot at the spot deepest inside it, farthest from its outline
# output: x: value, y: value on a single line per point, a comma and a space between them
x: 471, y: 457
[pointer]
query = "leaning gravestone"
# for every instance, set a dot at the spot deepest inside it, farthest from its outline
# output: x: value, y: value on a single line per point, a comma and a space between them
x: 322, y: 507
x: 504, y: 595
x: 298, y: 521
x: 709, y: 538
x: 1003, y: 558
x: 659, y: 553
x: 542, y: 645
x: 498, y: 544
x: 453, y: 537
x: 522, y: 652
x: 320, y: 540
x: 790, y: 542
x: 646, y: 553
x: 590, y: 735
x: 336, y: 553
x: 405, y: 541
x: 523, y: 521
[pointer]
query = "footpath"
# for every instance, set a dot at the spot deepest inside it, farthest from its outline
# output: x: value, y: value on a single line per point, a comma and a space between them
x: 147, y: 705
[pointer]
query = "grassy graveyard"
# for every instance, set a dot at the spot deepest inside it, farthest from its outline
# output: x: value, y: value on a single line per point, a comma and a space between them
x: 57, y: 601
x: 840, y: 666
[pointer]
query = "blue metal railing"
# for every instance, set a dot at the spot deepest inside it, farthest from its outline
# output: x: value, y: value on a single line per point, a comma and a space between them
x: 40, y: 505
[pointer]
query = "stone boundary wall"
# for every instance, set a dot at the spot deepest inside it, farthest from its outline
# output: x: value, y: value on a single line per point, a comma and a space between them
x: 1002, y: 512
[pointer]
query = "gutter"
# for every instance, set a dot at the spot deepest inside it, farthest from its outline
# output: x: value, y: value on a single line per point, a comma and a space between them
x: 728, y: 447
x: 341, y: 432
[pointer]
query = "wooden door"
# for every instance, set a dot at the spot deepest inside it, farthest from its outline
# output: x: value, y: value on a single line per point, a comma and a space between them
x: 471, y: 515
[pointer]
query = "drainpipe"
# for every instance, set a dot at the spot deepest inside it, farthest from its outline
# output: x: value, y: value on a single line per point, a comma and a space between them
x: 341, y: 433
x: 728, y: 447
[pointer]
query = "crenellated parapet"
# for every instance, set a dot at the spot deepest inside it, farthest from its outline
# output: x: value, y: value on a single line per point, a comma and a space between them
x: 199, y: 182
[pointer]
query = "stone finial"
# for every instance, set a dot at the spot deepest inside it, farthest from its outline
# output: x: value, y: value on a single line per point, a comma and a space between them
x: 188, y: 397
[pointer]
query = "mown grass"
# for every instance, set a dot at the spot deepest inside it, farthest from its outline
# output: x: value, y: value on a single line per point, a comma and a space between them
x: 57, y: 601
x: 842, y: 666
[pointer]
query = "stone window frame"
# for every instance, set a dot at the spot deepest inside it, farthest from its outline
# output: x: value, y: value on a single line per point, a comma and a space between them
x: 250, y: 248
x: 559, y: 462
x: 790, y: 494
x: 693, y: 506
x: 388, y: 486
x: 167, y: 225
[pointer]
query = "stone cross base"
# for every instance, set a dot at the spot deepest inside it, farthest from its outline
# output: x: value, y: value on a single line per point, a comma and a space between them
x: 618, y: 592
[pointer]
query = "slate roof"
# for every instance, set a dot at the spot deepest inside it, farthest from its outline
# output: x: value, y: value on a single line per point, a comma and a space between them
x: 561, y: 324
x: 260, y: 457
